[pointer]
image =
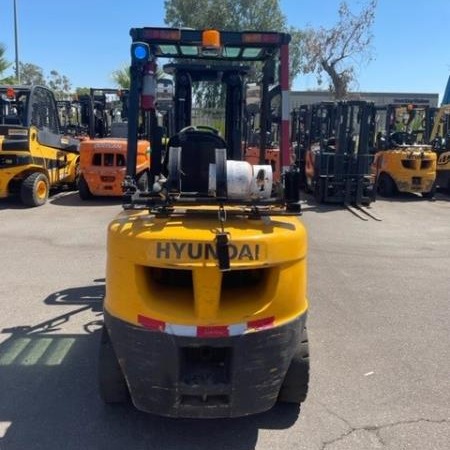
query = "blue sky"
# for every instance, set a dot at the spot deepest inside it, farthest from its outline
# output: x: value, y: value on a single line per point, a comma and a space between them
x: 87, y: 40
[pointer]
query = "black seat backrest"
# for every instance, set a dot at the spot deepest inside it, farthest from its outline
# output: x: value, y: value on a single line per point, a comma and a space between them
x: 402, y: 138
x: 197, y: 153
x: 12, y: 120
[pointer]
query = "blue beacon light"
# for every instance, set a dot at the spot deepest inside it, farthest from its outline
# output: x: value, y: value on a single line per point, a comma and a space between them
x: 140, y: 52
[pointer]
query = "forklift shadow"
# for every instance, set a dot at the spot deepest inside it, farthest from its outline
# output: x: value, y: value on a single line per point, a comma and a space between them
x: 49, y: 398
x: 12, y: 203
x: 443, y: 194
x: 46, y: 372
x: 198, y: 434
x: 73, y: 199
x: 409, y: 197
x: 309, y: 204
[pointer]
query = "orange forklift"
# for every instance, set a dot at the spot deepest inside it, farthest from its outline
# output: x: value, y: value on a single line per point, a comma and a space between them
x: 103, y: 155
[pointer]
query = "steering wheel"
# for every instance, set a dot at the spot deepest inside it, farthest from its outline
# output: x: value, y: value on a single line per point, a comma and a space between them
x: 199, y: 128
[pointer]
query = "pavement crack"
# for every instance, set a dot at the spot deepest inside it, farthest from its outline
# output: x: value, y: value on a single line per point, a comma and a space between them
x: 339, y: 438
x: 335, y: 414
x: 375, y: 430
x: 343, y: 435
x: 407, y: 422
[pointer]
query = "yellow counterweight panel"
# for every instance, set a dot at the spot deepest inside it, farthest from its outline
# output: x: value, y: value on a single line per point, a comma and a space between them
x: 267, y: 277
x: 405, y: 164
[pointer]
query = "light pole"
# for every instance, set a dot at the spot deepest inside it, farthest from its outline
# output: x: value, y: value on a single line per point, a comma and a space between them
x: 16, y: 43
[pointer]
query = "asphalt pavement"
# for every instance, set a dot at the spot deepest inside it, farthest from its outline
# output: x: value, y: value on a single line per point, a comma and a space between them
x: 379, y: 330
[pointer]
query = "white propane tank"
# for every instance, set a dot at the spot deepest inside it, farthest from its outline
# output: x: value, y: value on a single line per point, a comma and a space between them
x: 244, y: 181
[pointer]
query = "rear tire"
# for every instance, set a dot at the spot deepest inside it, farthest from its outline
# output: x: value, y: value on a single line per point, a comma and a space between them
x: 295, y: 385
x: 111, y: 382
x: 319, y: 190
x: 431, y: 194
x: 83, y: 189
x: 386, y: 185
x: 74, y: 186
x: 35, y: 189
x: 142, y: 181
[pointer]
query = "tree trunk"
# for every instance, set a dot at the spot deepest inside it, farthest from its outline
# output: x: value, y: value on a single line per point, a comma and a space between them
x: 338, y: 80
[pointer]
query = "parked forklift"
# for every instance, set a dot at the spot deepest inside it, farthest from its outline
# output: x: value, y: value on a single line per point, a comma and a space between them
x: 404, y: 162
x: 35, y: 156
x: 440, y: 141
x: 263, y: 107
x: 334, y: 147
x: 300, y: 138
x: 205, y: 306
x: 103, y: 155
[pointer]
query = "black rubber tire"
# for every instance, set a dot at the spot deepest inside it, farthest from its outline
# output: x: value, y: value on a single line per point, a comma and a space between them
x: 83, y: 189
x: 35, y: 189
x: 307, y: 188
x: 430, y: 195
x: 111, y: 381
x: 295, y: 385
x: 319, y: 190
x: 142, y: 181
x: 74, y: 186
x: 386, y: 185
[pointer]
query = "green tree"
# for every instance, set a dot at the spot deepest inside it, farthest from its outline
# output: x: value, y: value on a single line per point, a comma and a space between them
x: 122, y: 77
x: 60, y: 85
x: 82, y: 91
x: 31, y: 74
x: 4, y: 65
x: 234, y: 15
x: 336, y: 51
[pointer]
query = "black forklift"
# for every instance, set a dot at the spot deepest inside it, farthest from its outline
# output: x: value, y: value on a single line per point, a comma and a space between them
x: 300, y: 138
x: 103, y: 116
x: 335, y: 146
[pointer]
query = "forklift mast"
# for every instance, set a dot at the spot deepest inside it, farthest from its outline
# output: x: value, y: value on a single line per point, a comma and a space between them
x: 95, y: 115
x: 340, y: 149
x: 221, y: 56
x: 228, y: 75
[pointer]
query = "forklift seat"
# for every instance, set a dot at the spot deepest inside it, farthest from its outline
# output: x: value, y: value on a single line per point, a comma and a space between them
x: 12, y: 120
x: 197, y: 153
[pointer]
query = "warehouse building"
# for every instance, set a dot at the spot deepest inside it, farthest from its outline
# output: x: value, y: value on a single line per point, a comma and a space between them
x: 378, y: 98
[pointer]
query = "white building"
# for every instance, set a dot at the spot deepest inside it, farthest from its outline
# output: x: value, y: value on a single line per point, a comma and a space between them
x: 378, y: 98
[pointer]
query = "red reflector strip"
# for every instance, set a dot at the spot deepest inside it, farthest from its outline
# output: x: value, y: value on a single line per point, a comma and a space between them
x: 260, y: 38
x: 261, y: 323
x: 212, y: 332
x: 152, y: 324
x: 162, y: 34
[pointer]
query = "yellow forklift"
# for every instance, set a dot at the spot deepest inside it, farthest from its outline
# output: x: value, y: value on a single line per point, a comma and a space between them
x: 404, y: 162
x: 440, y: 140
x: 34, y: 154
x: 205, y: 306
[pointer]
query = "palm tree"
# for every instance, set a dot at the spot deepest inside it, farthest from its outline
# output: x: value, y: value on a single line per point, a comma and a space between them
x: 4, y: 64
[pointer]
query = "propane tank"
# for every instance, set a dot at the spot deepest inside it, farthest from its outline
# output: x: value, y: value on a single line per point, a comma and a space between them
x: 148, y: 86
x: 244, y: 181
